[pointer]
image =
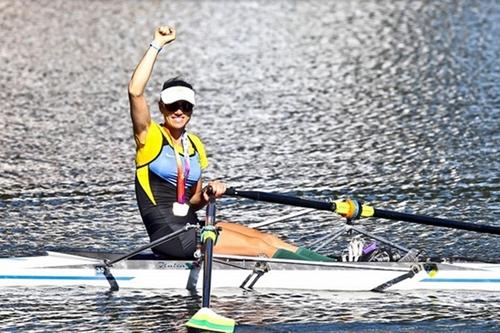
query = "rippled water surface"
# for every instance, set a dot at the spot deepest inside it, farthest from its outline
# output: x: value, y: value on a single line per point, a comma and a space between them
x: 395, y: 103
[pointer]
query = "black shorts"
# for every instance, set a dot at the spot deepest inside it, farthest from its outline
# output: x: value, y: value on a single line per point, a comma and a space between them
x: 160, y: 222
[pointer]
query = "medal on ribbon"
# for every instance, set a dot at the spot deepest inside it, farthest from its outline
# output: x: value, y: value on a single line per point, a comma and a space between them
x: 181, y: 208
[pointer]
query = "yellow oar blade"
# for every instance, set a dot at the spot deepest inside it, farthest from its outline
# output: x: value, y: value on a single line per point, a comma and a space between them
x: 208, y: 320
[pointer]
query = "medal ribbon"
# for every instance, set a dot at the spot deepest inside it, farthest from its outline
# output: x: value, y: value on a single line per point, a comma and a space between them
x: 182, y: 173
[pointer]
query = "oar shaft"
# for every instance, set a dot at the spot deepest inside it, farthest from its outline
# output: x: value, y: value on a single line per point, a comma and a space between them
x: 207, y: 274
x: 206, y: 319
x: 439, y: 222
x: 208, y: 253
x: 344, y: 208
x: 282, y: 199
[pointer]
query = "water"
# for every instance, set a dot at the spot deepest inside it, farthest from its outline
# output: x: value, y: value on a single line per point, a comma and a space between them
x: 395, y: 103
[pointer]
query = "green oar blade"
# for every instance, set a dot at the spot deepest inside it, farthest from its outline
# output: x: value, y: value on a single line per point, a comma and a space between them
x: 208, y: 320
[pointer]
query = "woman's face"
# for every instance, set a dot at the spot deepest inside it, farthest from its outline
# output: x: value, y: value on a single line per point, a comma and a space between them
x: 177, y: 114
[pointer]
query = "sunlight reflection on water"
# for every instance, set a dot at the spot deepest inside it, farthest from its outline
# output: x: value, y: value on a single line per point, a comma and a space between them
x: 396, y: 103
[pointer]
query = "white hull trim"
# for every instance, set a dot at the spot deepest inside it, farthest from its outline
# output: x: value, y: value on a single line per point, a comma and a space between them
x: 229, y: 272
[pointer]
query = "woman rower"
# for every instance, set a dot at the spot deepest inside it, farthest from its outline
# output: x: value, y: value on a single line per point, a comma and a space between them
x: 170, y: 162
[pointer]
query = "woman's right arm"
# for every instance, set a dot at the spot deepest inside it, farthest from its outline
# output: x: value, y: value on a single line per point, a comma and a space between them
x: 139, y: 110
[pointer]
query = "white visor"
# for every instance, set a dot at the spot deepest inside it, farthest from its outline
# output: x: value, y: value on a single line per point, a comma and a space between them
x: 177, y: 93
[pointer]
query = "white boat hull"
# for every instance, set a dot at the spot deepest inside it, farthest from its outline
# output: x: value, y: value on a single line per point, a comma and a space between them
x: 59, y: 270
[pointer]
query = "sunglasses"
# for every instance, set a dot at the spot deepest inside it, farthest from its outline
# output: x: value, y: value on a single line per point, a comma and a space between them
x: 184, y: 106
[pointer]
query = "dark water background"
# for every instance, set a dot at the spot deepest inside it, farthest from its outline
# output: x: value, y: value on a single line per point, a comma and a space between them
x: 393, y: 102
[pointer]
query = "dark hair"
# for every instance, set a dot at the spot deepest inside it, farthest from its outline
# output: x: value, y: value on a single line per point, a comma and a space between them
x: 176, y: 81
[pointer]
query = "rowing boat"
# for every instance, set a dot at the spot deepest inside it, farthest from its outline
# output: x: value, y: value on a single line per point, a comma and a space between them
x: 232, y: 272
x: 149, y: 271
x: 361, y: 267
x: 398, y: 268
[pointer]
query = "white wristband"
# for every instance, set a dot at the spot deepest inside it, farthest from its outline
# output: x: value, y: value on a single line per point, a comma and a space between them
x: 155, y: 46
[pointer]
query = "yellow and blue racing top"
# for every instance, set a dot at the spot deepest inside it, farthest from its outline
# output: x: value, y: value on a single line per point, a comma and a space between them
x: 156, y: 174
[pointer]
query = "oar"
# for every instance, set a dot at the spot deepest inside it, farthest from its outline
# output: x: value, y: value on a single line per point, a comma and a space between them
x: 354, y: 209
x: 206, y: 318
